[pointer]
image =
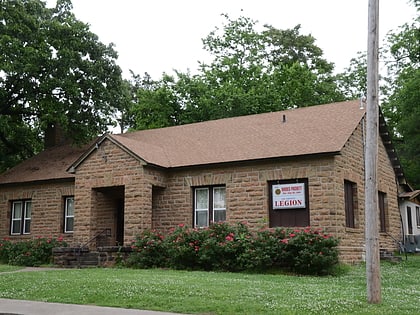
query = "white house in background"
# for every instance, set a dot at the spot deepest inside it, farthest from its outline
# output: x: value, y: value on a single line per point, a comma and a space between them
x: 410, y: 215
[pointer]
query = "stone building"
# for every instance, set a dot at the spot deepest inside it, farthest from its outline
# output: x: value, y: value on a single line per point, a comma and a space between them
x: 295, y: 168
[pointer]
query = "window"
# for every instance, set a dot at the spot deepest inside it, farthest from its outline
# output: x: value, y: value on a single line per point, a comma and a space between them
x: 69, y: 215
x: 289, y: 203
x: 418, y: 216
x: 382, y: 203
x: 350, y: 203
x: 209, y: 205
x: 409, y: 221
x: 21, y: 217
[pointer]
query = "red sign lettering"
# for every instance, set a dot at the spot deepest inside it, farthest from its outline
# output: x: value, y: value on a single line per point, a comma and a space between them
x: 287, y: 203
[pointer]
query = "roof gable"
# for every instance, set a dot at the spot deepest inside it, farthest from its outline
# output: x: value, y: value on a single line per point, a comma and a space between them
x: 94, y: 146
x: 303, y: 131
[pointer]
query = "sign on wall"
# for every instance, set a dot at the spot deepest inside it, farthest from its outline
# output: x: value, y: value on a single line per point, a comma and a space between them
x: 289, y: 196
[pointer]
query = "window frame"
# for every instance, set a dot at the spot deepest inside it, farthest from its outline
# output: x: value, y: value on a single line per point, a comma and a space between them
x: 409, y: 221
x: 24, y: 219
x: 350, y: 204
x: 383, y: 211
x: 67, y: 216
x: 289, y: 217
x: 418, y: 216
x: 218, y: 209
x: 210, y: 208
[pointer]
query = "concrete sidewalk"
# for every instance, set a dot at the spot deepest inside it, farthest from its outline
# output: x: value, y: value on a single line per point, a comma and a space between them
x: 19, y: 307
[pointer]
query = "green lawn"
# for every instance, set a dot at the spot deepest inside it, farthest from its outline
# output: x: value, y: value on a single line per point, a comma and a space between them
x: 221, y: 293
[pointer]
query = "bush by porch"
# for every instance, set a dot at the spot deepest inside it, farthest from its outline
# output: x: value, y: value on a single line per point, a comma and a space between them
x: 225, y: 247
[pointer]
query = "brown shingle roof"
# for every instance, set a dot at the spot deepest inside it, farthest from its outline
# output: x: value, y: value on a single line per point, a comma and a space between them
x: 309, y: 130
x: 48, y: 165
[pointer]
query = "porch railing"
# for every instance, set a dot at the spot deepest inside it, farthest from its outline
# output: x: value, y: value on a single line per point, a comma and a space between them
x: 85, y: 247
x: 401, y: 247
x: 105, y: 232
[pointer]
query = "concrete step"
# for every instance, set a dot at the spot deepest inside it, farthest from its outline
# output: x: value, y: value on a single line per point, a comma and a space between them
x: 77, y: 258
x: 388, y: 256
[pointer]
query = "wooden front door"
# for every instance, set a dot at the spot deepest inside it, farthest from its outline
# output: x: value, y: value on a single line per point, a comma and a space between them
x: 120, y: 222
x: 291, y: 212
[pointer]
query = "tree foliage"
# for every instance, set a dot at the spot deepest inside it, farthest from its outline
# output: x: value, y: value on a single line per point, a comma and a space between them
x: 400, y: 100
x: 406, y: 101
x: 251, y: 72
x: 260, y: 71
x: 156, y: 104
x: 402, y: 107
x: 53, y: 71
x: 353, y: 81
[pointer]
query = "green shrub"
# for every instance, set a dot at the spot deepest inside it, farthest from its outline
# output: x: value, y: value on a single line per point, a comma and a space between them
x: 312, y: 252
x: 227, y: 247
x: 222, y: 247
x: 184, y: 245
x: 148, y: 251
x: 34, y: 252
x: 265, y: 250
x: 5, y: 246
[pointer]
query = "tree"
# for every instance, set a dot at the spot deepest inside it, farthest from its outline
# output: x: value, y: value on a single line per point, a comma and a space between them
x: 400, y: 93
x: 402, y: 108
x: 54, y: 72
x: 251, y: 72
x: 155, y: 105
x: 353, y: 81
x: 406, y: 100
x: 254, y: 72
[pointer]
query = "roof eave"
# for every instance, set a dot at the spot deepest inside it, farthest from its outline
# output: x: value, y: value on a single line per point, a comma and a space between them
x: 390, y: 149
x: 410, y: 195
x: 258, y: 160
x: 39, y: 181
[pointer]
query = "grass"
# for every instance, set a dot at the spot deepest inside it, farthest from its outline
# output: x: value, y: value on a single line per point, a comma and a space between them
x: 221, y: 293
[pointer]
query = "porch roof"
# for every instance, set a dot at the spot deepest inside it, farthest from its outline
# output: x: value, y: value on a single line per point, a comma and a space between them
x: 410, y: 195
x: 302, y: 131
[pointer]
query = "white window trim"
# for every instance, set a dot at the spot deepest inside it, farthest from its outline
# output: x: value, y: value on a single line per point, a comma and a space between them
x: 197, y: 210
x: 23, y: 219
x: 67, y: 216
x: 26, y: 218
x: 18, y: 219
x: 213, y: 209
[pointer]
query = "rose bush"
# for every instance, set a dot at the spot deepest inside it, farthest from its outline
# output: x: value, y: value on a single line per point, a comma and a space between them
x: 311, y: 251
x: 226, y: 247
x: 148, y: 250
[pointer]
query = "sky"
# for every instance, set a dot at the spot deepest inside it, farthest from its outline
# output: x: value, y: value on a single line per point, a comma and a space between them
x: 162, y: 35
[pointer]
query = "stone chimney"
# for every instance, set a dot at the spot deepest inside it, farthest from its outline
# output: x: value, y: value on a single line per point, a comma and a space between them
x: 54, y: 135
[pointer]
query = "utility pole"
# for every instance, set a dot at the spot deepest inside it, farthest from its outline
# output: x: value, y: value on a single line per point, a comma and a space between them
x: 373, y: 272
